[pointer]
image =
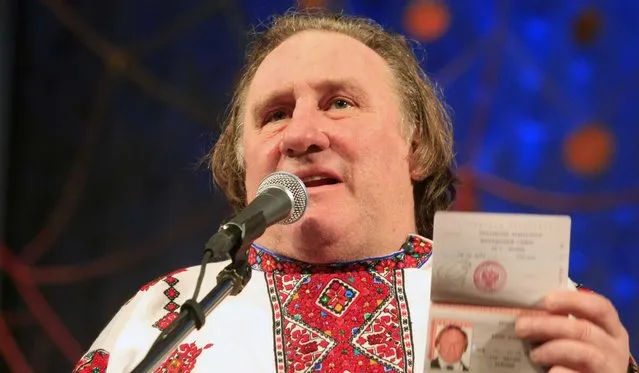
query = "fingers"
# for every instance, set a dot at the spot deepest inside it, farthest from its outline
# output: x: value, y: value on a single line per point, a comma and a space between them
x: 589, y: 306
x: 576, y: 355
x: 559, y: 369
x: 591, y: 340
x: 543, y: 328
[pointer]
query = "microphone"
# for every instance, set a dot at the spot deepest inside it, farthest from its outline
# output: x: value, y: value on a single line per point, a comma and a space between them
x: 281, y: 198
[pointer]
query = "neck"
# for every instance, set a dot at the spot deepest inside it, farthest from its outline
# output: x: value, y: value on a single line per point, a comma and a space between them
x: 308, y: 244
x: 413, y: 253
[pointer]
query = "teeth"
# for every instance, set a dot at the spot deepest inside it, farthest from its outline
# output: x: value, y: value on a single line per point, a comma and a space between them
x: 313, y: 178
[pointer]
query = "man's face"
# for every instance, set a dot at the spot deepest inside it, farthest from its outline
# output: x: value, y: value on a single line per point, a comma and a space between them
x: 451, y: 346
x: 323, y: 106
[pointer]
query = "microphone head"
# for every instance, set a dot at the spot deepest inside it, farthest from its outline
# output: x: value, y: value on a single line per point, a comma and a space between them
x: 294, y: 187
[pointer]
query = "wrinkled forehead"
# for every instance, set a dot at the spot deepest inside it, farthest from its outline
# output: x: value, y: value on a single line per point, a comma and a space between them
x: 315, y: 56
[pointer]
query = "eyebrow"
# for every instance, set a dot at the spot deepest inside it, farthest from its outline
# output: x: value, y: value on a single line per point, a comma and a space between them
x: 325, y: 85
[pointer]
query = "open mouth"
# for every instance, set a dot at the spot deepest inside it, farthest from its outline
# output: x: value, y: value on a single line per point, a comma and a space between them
x: 316, y: 181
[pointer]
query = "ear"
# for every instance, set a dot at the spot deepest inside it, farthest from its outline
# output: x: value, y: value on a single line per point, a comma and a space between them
x: 416, y: 173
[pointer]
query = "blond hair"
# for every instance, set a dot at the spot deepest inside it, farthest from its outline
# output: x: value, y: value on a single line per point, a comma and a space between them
x: 429, y: 124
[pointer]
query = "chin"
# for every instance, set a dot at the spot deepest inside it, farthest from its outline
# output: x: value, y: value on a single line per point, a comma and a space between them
x: 323, y: 229
x: 317, y: 239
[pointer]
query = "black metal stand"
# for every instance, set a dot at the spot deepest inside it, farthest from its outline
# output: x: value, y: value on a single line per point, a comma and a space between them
x: 230, y: 281
x: 280, y: 195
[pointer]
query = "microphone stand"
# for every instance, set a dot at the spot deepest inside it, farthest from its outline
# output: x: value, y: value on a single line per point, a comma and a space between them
x: 230, y: 281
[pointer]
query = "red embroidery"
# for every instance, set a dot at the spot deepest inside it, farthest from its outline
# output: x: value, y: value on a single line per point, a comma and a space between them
x: 166, y: 320
x: 183, y: 359
x: 153, y: 282
x: 413, y: 254
x: 337, y: 296
x: 171, y: 307
x: 95, y: 361
x: 336, y: 322
x: 341, y: 317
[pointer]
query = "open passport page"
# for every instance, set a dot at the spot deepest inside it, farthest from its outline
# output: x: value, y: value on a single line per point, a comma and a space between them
x: 488, y: 269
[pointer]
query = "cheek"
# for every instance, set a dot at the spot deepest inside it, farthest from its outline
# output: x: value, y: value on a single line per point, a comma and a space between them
x: 260, y: 159
x: 387, y: 154
x: 376, y: 159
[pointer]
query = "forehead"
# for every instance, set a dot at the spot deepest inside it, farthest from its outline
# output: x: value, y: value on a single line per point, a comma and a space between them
x: 313, y: 56
x: 452, y: 334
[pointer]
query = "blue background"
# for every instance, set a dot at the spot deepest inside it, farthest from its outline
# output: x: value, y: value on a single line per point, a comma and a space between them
x: 113, y: 104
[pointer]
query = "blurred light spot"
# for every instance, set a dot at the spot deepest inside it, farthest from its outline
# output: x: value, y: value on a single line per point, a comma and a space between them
x: 531, y: 132
x: 536, y: 30
x: 587, y: 26
x: 426, y: 20
x: 578, y: 262
x: 589, y: 150
x: 305, y: 4
x: 624, y: 287
x: 528, y: 149
x: 530, y: 79
x: 580, y: 70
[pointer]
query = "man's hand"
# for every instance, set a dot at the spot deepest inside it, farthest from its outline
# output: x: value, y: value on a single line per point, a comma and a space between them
x: 593, y: 341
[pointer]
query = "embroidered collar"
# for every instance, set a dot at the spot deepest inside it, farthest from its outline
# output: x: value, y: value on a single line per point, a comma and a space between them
x: 413, y: 254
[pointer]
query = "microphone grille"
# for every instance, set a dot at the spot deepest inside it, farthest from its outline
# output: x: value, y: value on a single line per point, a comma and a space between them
x: 294, y: 186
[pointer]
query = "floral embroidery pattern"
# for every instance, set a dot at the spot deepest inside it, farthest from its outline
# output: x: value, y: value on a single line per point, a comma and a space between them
x: 414, y: 253
x: 362, y: 323
x: 95, y: 361
x: 336, y: 297
x: 182, y: 359
x: 341, y: 317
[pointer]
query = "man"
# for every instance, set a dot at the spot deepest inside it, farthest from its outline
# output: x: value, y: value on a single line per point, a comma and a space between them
x: 450, y: 343
x: 345, y: 106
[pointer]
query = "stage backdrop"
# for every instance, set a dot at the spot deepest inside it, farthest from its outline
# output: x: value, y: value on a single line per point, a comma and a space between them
x: 114, y: 103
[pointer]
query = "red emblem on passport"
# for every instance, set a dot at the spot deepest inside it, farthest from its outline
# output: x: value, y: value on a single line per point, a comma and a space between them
x: 490, y: 277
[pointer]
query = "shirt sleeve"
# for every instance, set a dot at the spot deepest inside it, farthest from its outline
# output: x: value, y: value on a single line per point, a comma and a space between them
x: 96, y: 359
x: 128, y: 336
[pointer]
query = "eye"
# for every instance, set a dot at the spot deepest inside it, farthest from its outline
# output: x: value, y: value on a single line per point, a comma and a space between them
x: 275, y: 116
x: 340, y: 104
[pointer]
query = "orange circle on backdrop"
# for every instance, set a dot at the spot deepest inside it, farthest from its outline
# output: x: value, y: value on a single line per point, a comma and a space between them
x: 587, y: 26
x: 303, y: 4
x: 426, y: 20
x: 589, y: 150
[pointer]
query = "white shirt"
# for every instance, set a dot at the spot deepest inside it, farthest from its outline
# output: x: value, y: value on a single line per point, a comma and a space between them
x: 456, y: 367
x: 366, y: 316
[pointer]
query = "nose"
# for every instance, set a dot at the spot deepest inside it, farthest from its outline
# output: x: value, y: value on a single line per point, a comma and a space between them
x: 303, y: 133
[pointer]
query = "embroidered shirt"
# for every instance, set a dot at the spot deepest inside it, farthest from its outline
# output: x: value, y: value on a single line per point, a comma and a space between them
x: 364, y: 316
